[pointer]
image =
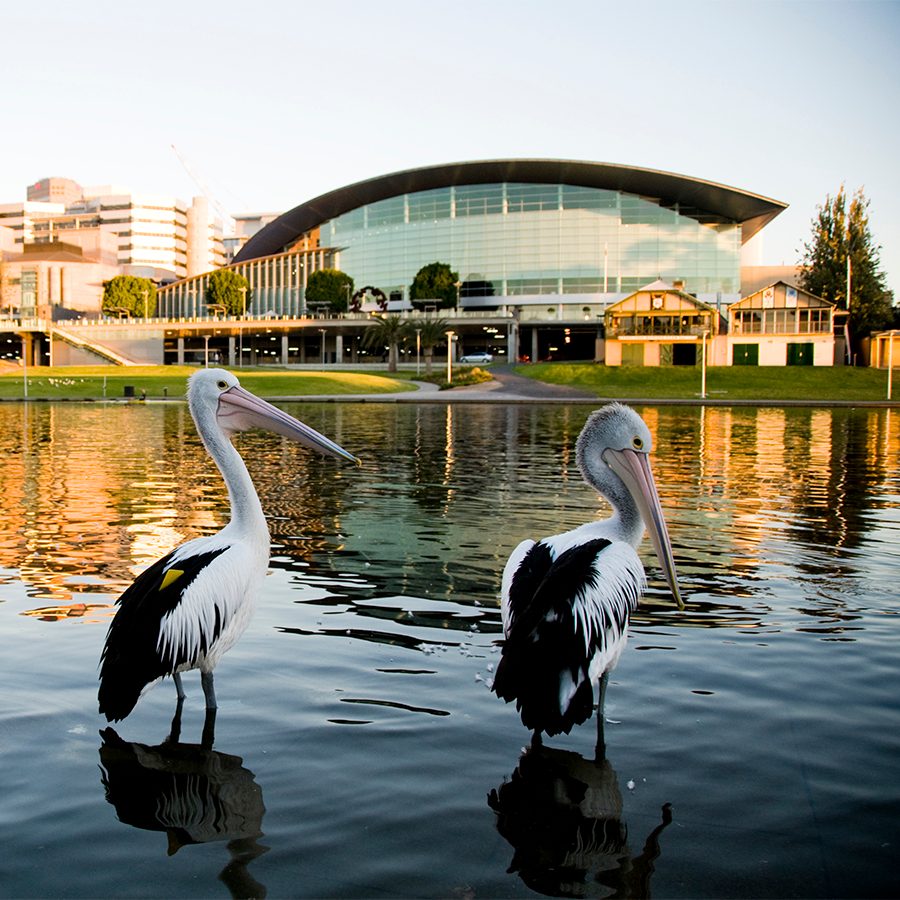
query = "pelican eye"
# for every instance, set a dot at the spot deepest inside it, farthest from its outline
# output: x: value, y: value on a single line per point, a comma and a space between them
x: 222, y: 385
x: 637, y: 443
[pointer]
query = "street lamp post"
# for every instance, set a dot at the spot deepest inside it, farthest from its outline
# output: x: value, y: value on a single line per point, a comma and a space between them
x: 891, y: 335
x: 322, y: 332
x: 26, y: 346
x: 450, y: 335
x: 206, y: 351
x: 703, y: 367
x: 243, y: 290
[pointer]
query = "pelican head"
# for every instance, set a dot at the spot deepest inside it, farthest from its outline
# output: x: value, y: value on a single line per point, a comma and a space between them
x: 215, y: 395
x: 613, y: 455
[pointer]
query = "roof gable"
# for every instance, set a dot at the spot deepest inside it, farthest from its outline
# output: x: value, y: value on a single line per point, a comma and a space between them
x: 658, y: 296
x: 781, y: 295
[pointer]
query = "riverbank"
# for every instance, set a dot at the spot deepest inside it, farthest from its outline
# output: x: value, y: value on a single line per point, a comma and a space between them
x: 574, y: 383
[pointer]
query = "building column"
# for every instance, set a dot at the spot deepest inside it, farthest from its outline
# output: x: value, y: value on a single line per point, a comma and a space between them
x: 534, y: 344
x: 512, y: 343
x: 231, y: 352
x: 180, y: 351
x: 339, y: 348
x: 284, y: 349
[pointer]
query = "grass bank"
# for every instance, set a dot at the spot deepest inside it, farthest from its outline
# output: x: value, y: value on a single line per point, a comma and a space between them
x: 110, y: 382
x: 722, y: 382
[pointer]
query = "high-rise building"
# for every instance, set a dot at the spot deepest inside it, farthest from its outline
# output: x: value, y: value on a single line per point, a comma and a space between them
x: 159, y: 234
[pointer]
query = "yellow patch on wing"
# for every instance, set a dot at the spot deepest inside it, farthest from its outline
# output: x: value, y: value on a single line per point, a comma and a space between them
x: 171, y: 577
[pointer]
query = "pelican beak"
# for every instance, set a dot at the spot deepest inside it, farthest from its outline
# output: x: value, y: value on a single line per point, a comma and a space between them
x: 634, y: 469
x: 240, y: 410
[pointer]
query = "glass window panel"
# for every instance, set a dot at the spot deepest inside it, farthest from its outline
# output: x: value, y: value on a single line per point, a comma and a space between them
x: 479, y: 199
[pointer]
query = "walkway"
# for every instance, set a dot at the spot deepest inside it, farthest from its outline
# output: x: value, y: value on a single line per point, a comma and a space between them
x: 505, y: 388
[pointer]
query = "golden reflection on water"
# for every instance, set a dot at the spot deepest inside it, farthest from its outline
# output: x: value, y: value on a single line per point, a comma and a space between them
x: 92, y: 493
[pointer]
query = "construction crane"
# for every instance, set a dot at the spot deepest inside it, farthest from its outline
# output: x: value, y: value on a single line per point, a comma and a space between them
x: 228, y: 223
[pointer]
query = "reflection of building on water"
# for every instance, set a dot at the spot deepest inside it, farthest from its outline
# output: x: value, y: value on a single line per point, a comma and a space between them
x: 91, y: 494
x: 192, y: 793
x: 563, y: 816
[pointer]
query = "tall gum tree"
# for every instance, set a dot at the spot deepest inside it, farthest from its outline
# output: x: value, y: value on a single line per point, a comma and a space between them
x: 841, y: 232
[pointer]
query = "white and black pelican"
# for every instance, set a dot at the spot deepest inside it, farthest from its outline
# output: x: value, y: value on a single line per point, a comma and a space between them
x: 566, y: 599
x: 189, y: 607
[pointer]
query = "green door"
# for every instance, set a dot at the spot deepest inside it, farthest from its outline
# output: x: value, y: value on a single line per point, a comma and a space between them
x: 800, y: 354
x: 745, y: 355
x: 632, y: 354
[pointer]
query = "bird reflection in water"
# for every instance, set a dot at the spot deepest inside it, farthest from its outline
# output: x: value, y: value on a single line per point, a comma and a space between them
x: 562, y: 814
x: 191, y: 792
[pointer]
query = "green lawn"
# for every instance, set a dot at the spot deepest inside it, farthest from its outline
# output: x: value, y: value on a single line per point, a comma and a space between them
x: 722, y: 382
x: 97, y: 382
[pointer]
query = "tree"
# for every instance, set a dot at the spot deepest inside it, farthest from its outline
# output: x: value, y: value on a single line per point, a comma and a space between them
x: 331, y: 286
x: 430, y: 333
x: 130, y: 296
x: 434, y: 283
x: 839, y: 234
x: 387, y: 332
x: 229, y: 290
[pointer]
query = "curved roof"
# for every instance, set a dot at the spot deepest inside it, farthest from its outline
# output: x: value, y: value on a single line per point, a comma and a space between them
x: 702, y: 199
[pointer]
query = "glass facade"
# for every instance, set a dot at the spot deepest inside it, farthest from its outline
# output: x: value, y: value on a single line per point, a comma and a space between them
x: 511, y: 239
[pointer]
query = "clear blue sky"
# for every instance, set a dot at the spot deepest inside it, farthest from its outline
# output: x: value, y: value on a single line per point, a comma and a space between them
x: 272, y: 103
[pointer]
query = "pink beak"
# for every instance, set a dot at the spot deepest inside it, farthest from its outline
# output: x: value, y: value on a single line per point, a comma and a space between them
x: 240, y: 410
x: 634, y: 469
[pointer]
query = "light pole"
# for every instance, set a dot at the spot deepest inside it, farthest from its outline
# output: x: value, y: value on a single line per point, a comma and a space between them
x: 891, y: 335
x: 703, y: 367
x: 206, y: 351
x: 243, y: 290
x: 25, y: 348
x: 322, y: 332
x: 419, y: 349
x: 450, y: 335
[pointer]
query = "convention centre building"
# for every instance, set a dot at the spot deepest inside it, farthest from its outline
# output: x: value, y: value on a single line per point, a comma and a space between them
x: 542, y: 248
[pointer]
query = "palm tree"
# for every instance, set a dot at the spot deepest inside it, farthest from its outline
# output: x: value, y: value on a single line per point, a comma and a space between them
x: 387, y: 331
x: 431, y: 332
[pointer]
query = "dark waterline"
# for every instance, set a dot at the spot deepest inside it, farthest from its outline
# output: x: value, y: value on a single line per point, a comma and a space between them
x: 752, y: 740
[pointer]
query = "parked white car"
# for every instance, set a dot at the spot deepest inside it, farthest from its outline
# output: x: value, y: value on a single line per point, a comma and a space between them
x: 476, y: 358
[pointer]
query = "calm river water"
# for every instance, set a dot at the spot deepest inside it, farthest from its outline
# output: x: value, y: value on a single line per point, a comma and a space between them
x: 753, y: 740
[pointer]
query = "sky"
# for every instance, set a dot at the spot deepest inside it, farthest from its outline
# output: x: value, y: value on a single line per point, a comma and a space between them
x: 271, y: 103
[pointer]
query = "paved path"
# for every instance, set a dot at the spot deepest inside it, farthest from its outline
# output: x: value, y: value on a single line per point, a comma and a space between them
x: 508, y: 387
x: 505, y: 388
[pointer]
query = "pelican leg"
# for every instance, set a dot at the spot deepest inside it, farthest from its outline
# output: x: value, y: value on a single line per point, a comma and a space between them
x: 175, y: 728
x: 179, y: 690
x: 209, y: 729
x: 209, y: 690
x: 600, y: 750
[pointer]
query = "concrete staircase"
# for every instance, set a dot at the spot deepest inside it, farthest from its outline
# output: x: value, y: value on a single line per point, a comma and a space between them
x: 92, y: 348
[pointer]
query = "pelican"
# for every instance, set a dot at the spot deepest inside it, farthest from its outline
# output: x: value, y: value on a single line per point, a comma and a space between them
x: 189, y: 607
x: 566, y: 599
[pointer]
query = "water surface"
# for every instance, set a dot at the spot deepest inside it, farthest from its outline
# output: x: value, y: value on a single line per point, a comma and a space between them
x: 753, y: 740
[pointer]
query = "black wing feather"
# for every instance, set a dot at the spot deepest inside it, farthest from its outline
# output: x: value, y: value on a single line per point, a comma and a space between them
x: 130, y: 659
x: 543, y: 641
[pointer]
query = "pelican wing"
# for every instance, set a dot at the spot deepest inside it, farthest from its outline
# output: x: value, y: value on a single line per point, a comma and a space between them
x: 131, y: 659
x: 566, y: 615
